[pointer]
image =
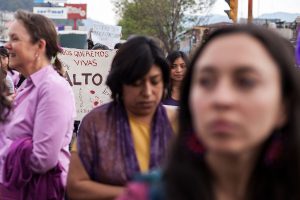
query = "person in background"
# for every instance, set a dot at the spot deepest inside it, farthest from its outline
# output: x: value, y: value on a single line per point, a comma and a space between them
x: 178, y: 63
x: 92, y: 46
x: 238, y: 123
x: 99, y: 46
x: 34, y: 159
x: 129, y: 135
x: 89, y: 40
x: 117, y: 45
x: 5, y: 104
x: 4, y: 61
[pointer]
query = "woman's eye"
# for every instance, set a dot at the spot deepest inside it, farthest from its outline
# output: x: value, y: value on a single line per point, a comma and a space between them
x: 155, y: 81
x: 137, y: 83
x: 206, y: 82
x: 246, y: 83
x: 13, y: 38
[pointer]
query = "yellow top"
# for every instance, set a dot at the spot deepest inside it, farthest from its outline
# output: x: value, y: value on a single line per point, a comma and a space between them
x: 74, y: 145
x: 140, y: 133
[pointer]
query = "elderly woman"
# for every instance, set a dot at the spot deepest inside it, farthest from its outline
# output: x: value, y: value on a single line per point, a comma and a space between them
x: 35, y: 156
x: 128, y: 135
x: 239, y: 123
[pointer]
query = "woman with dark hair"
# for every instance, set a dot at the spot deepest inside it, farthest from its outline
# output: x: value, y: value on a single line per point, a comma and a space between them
x: 128, y: 135
x: 4, y: 60
x: 4, y: 101
x: 35, y: 156
x: 239, y: 122
x: 178, y: 63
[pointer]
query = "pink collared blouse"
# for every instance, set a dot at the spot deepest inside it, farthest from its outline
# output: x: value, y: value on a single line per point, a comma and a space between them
x: 44, y: 109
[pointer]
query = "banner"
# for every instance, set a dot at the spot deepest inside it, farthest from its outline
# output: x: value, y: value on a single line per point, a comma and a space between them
x: 86, y: 71
x: 76, y: 11
x: 108, y: 35
x: 52, y: 12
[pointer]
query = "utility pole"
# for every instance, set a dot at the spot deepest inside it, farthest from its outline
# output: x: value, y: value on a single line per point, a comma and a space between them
x: 233, y: 12
x: 250, y: 15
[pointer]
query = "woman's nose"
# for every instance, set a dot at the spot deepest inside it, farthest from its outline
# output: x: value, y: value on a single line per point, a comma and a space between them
x: 224, y: 95
x: 147, y: 89
x: 7, y: 45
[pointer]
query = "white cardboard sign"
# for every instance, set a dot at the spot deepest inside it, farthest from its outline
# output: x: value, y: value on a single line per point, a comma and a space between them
x: 86, y: 71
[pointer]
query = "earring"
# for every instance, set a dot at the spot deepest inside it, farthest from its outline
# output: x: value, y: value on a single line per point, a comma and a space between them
x: 37, y: 56
x: 165, y: 93
x: 274, y: 150
x: 194, y: 145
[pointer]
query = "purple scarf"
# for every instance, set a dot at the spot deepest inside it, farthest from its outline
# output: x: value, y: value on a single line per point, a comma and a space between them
x: 106, y: 147
x: 25, y: 184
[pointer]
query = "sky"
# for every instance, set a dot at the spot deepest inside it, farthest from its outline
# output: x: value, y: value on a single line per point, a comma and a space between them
x: 104, y: 11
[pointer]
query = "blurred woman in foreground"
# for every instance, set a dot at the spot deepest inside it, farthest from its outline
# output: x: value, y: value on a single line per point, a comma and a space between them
x: 239, y: 131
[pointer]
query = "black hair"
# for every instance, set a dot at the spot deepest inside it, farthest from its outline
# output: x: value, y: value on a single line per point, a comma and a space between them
x: 117, y: 45
x: 90, y: 43
x: 171, y: 59
x: 99, y: 46
x: 4, y: 51
x: 177, y: 54
x: 5, y: 104
x: 133, y: 61
x: 187, y: 176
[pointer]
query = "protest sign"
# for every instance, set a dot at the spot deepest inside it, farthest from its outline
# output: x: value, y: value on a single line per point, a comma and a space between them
x: 106, y: 34
x: 86, y: 71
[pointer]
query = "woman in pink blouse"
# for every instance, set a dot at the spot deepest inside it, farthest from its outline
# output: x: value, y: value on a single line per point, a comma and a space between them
x: 41, y: 122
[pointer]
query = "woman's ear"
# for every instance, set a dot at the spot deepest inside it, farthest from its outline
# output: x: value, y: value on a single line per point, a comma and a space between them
x: 42, y: 44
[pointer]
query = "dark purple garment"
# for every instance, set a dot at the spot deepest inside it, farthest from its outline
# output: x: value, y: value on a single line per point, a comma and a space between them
x: 298, y: 48
x: 106, y: 148
x: 25, y: 184
x: 170, y: 101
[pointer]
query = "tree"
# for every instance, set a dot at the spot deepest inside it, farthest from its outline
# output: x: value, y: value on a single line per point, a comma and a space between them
x: 159, y: 18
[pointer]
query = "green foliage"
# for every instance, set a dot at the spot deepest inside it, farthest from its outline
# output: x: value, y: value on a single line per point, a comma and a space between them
x: 159, y: 18
x: 131, y: 26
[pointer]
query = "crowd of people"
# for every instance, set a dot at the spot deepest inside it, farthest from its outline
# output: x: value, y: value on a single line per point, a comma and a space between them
x: 220, y: 125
